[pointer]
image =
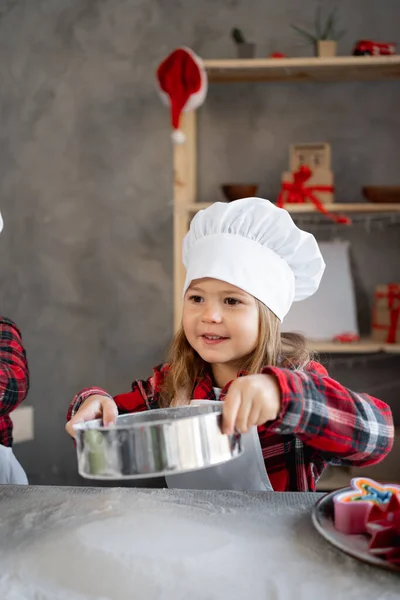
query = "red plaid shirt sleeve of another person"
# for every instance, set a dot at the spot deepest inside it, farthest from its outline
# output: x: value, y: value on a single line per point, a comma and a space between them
x: 346, y: 427
x: 144, y: 395
x: 14, y: 376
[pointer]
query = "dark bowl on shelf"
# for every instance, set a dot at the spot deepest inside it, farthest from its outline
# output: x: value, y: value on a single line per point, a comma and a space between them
x: 236, y: 191
x: 382, y: 193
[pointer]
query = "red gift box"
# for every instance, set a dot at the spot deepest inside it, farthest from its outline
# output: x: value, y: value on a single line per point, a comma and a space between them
x: 386, y: 314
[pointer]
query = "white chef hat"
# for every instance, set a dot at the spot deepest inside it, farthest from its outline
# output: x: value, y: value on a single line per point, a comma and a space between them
x: 255, y: 246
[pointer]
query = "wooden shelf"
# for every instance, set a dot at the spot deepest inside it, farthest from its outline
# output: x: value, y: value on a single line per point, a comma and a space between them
x: 336, y: 478
x: 338, y: 68
x: 357, y: 207
x: 392, y: 348
x: 386, y: 471
x: 362, y: 347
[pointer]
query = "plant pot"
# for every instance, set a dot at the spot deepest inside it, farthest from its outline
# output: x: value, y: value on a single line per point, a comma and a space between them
x: 326, y: 48
x: 246, y: 50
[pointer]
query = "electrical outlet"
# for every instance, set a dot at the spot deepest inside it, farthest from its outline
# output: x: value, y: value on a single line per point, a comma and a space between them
x: 22, y: 418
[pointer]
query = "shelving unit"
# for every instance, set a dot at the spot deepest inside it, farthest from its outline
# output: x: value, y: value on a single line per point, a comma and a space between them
x: 358, y: 207
x: 346, y: 68
x: 338, y: 68
x: 339, y: 477
x: 365, y: 346
x: 335, y: 478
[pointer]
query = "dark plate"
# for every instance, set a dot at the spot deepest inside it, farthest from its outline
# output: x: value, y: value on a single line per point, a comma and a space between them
x: 354, y: 545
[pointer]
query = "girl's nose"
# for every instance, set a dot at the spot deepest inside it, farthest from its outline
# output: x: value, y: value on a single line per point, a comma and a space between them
x: 211, y: 313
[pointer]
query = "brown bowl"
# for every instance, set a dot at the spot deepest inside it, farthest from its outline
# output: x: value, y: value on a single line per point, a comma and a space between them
x: 235, y: 191
x: 382, y: 193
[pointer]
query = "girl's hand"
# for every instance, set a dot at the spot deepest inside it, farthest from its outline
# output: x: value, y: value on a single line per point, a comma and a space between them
x: 251, y: 400
x: 94, y: 407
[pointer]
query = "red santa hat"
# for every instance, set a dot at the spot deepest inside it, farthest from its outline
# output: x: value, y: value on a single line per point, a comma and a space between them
x: 182, y: 83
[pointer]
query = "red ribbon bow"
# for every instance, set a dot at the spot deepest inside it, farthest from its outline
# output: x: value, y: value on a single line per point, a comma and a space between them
x: 393, y: 298
x: 394, y: 310
x: 298, y: 192
x: 383, y: 524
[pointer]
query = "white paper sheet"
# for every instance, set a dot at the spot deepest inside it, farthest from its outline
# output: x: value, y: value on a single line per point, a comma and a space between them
x: 332, y: 309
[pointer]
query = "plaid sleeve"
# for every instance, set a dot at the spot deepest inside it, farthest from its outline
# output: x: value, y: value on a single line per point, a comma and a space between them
x: 345, y: 427
x: 144, y: 394
x: 80, y: 398
x: 14, y: 372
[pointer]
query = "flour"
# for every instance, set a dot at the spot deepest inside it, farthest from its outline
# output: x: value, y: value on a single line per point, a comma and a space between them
x: 150, y: 536
x: 119, y: 545
x: 153, y: 553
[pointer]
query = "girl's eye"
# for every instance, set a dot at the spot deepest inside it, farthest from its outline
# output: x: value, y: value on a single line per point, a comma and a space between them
x: 232, y: 301
x: 195, y: 299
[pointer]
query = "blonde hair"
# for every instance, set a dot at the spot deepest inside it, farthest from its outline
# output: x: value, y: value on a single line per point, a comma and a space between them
x: 274, y: 348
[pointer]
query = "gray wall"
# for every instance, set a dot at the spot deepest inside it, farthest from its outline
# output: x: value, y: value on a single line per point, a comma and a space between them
x: 85, y: 178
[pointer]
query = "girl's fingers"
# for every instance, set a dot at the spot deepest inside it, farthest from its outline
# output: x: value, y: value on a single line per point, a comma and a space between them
x: 230, y: 409
x: 242, y: 418
x: 93, y: 408
x: 69, y: 427
x: 254, y: 416
x: 82, y: 415
x: 110, y: 412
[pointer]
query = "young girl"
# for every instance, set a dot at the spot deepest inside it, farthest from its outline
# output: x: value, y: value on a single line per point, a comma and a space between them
x: 246, y: 263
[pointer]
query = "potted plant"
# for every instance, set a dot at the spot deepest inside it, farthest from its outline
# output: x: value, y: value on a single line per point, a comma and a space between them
x: 325, y: 35
x: 244, y: 49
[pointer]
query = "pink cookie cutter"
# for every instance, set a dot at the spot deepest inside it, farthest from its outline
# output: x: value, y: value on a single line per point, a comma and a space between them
x: 352, y: 507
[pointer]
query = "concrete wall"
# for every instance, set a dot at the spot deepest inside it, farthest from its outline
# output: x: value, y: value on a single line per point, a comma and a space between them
x: 85, y: 178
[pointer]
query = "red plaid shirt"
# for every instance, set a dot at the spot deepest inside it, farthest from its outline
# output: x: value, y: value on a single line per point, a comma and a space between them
x: 320, y: 422
x: 14, y: 376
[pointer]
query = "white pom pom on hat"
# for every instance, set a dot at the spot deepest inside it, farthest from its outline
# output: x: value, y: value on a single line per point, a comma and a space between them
x: 255, y: 246
x: 182, y: 85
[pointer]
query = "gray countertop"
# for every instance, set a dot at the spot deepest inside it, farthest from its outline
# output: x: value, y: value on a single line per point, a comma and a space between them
x: 60, y: 543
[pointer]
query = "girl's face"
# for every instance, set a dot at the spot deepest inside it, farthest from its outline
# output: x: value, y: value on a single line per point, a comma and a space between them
x: 220, y: 321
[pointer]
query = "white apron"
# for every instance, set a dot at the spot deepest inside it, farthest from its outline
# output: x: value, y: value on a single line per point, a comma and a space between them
x: 245, y: 473
x: 11, y: 471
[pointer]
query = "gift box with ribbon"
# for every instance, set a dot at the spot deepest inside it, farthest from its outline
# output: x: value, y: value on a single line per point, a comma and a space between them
x: 386, y: 314
x: 300, y: 190
x: 320, y: 180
